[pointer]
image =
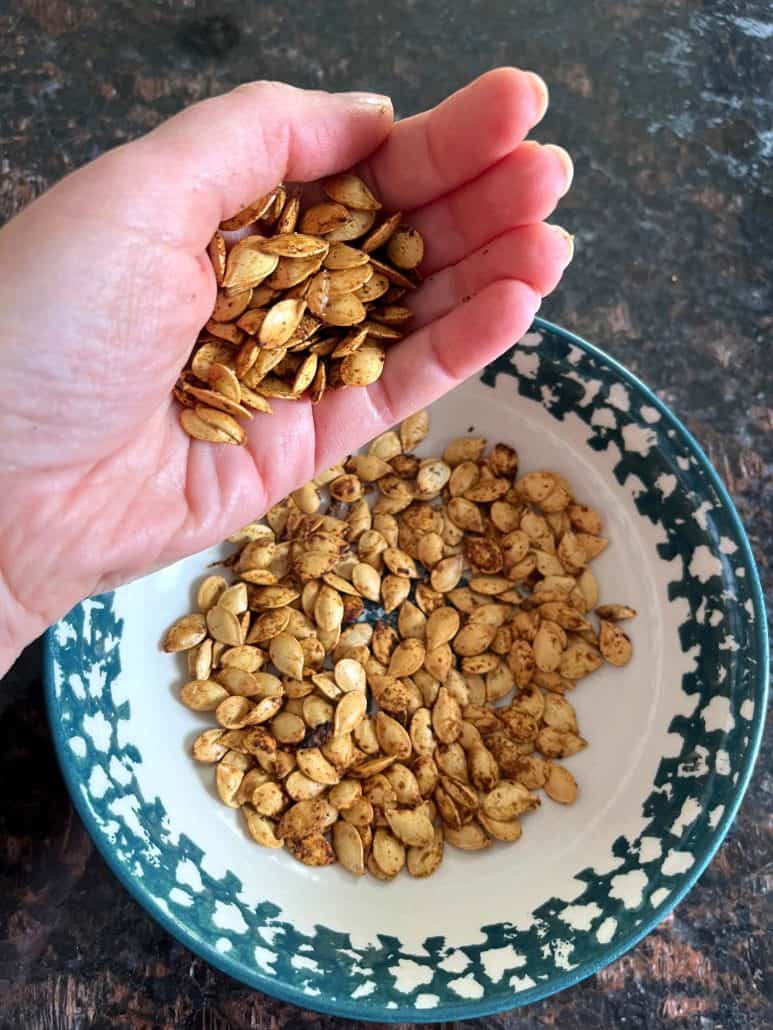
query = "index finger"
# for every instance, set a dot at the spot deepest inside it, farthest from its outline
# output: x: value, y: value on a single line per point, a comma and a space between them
x: 430, y: 154
x: 215, y: 158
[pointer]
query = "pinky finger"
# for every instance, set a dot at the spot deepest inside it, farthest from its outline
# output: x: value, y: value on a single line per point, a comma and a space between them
x: 426, y: 365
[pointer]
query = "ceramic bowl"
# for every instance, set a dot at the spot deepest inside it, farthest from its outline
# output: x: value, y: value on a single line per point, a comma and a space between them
x: 673, y: 737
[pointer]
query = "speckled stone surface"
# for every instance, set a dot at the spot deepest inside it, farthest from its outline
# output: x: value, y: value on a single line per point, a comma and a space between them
x: 666, y: 106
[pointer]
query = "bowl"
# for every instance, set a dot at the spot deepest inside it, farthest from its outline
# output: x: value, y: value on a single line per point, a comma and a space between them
x: 673, y: 737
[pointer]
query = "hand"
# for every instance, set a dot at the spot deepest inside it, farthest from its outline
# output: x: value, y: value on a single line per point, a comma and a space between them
x: 104, y: 284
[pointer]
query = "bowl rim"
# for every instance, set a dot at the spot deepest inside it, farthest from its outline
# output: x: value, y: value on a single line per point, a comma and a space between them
x: 463, y: 1010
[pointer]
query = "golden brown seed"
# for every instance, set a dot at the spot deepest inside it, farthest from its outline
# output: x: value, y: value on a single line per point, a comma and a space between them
x: 561, y: 786
x: 473, y: 639
x: 323, y: 218
x: 484, y: 771
x: 250, y: 214
x: 269, y: 799
x: 615, y: 612
x: 368, y: 467
x: 341, y: 256
x: 261, y: 829
x: 388, y: 853
x: 187, y: 632
x: 405, y: 248
x: 345, y: 794
x: 508, y: 800
x: 407, y: 658
x: 553, y: 743
x: 422, y: 862
x: 228, y: 308
x: 207, y: 747
x: 359, y: 223
x: 446, y: 574
x: 404, y: 784
x: 411, y: 826
x: 504, y: 830
x: 351, y: 191
x: 411, y: 622
x: 211, y: 425
x: 349, y: 280
x: 349, y: 675
x: 548, y: 646
x: 203, y: 695
x: 223, y: 625
x: 294, y: 245
x: 346, y: 488
x: 313, y: 850
x: 579, y: 659
x: 348, y: 848
x: 360, y: 812
x: 350, y: 711
x: 287, y: 655
x: 470, y: 837
x: 235, y: 712
x: 367, y: 580
x: 442, y: 626
x: 438, y: 662
x: 446, y: 717
x: 392, y: 737
x: 301, y: 788
x: 234, y: 599
x: 216, y: 251
x: 228, y: 779
x: 394, y: 590
x: 614, y: 645
x: 585, y: 519
x: 379, y: 236
x: 413, y: 430
x: 452, y: 761
x: 342, y: 310
x: 288, y: 728
x: 386, y: 446
x: 313, y: 764
x: 281, y: 321
x: 248, y: 263
x: 521, y: 662
x: 468, y: 448
x: 328, y: 609
x: 363, y: 367
x: 238, y: 681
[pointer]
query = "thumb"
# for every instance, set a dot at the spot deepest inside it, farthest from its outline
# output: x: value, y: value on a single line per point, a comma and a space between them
x: 219, y: 155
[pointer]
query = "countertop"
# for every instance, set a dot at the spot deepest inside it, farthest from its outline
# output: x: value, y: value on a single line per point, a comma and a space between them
x: 666, y: 107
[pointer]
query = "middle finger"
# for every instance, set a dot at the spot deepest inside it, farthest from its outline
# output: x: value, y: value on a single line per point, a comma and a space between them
x: 521, y: 189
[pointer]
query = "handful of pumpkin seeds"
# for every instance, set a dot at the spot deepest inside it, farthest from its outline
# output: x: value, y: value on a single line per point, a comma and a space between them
x: 374, y: 745
x: 308, y: 301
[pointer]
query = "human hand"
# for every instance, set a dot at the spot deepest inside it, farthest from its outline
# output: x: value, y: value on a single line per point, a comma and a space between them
x: 105, y: 282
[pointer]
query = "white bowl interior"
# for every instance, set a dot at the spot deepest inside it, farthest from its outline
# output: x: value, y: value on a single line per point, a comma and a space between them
x: 625, y: 715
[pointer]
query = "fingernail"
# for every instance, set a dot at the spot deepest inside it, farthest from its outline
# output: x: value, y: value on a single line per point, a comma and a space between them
x: 566, y: 161
x: 541, y: 91
x: 370, y: 100
x: 568, y: 240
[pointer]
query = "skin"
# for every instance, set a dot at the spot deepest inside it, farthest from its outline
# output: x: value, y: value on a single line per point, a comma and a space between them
x: 105, y: 282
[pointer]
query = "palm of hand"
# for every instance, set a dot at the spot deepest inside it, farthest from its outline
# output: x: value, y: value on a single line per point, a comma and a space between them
x: 102, y: 481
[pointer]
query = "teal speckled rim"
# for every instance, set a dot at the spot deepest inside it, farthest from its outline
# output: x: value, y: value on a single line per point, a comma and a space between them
x: 466, y: 1009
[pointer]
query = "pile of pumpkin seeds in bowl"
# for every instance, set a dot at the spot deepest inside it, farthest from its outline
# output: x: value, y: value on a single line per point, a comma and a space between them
x: 308, y: 301
x: 389, y: 654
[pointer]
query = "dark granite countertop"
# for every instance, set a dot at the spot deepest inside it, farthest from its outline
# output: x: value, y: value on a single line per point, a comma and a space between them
x: 666, y: 106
